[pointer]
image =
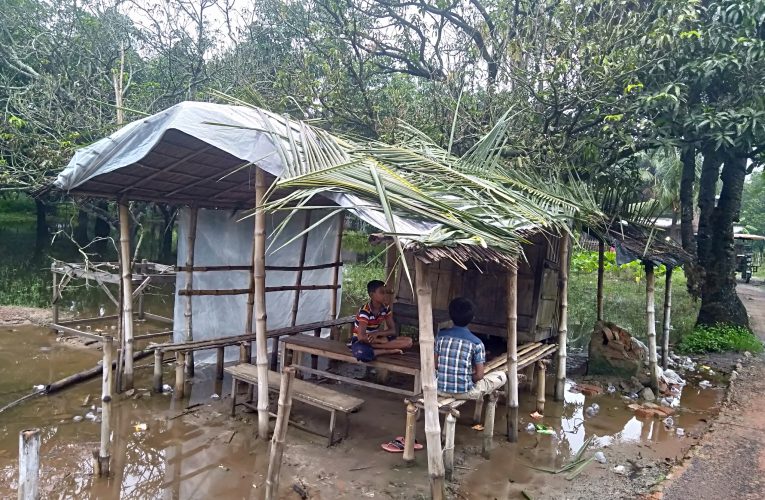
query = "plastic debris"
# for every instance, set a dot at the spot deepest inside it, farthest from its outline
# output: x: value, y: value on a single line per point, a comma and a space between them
x: 600, y: 457
x: 680, y: 432
x: 78, y: 418
x: 215, y: 397
x: 633, y: 395
x: 620, y: 469
x: 536, y: 415
x: 90, y: 416
x: 611, y: 389
x: 38, y: 387
x: 140, y: 427
x: 167, y: 388
x: 672, y: 377
x: 531, y: 428
x: 669, y: 422
x: 705, y: 384
x: 544, y: 429
x: 712, y: 373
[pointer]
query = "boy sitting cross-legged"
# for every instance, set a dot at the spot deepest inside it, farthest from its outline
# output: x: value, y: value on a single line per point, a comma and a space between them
x: 460, y: 358
x: 374, y: 332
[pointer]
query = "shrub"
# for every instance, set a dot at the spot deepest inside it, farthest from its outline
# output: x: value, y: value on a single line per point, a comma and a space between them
x: 720, y: 338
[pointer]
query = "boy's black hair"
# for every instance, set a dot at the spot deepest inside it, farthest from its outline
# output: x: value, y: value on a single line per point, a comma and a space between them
x: 461, y: 311
x: 374, y: 285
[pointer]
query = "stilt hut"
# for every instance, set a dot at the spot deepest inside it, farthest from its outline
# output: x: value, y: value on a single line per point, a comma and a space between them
x: 242, y: 278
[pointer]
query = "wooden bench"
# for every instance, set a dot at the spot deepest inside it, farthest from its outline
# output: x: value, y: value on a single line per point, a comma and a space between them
x: 310, y: 394
x: 293, y: 349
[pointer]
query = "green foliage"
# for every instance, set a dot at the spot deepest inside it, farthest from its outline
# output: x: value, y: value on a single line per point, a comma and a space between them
x: 355, y: 279
x: 586, y: 262
x: 753, y: 204
x: 720, y: 338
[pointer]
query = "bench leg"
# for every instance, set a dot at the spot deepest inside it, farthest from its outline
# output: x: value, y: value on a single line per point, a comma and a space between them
x: 409, y: 436
x: 233, y: 396
x: 298, y: 360
x: 451, y: 423
x: 158, y: 360
x: 478, y: 410
x: 332, y: 421
x: 282, y: 354
x: 180, y: 380
x: 220, y: 357
x: 488, y: 425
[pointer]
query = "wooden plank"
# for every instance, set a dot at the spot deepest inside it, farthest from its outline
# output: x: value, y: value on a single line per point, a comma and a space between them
x: 402, y: 363
x: 158, y: 318
x: 354, y: 381
x: 307, y: 392
x: 78, y: 333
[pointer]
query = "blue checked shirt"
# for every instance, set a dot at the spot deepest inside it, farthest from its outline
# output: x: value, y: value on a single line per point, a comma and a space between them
x: 458, y: 352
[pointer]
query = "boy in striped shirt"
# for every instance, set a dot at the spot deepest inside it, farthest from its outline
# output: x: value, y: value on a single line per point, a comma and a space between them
x: 374, y: 332
x: 460, y: 358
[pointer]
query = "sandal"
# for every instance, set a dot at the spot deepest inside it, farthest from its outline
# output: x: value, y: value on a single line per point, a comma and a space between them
x: 417, y: 445
x: 394, y: 446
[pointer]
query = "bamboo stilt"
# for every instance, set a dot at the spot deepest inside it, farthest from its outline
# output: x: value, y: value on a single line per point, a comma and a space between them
x: 560, y: 382
x: 650, y: 318
x: 219, y: 359
x: 101, y: 464
x: 410, y: 434
x: 512, y: 355
x: 141, y: 311
x: 157, y: 380
x: 601, y: 269
x: 333, y: 300
x: 127, y: 294
x: 54, y: 298
x: 180, y: 373
x: 488, y: 425
x: 280, y: 433
x: 541, y: 373
x: 259, y: 274
x: 427, y: 363
x: 667, y: 318
x: 450, y: 425
x: 188, y: 333
x: 29, y: 464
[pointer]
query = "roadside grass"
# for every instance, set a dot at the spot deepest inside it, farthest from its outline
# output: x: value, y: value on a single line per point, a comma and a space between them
x: 720, y: 338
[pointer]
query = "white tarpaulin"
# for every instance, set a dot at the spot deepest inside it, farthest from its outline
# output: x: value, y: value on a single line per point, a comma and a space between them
x: 224, y: 240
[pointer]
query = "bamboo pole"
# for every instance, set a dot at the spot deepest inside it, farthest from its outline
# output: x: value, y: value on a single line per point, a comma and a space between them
x: 101, y: 462
x: 410, y: 434
x: 188, y: 334
x: 560, y: 385
x: 333, y: 299
x: 280, y: 432
x: 450, y: 425
x: 601, y: 268
x: 29, y: 464
x: 512, y: 354
x: 127, y: 293
x: 650, y: 318
x: 54, y: 298
x: 219, y: 361
x: 488, y: 425
x: 158, y: 359
x: 180, y: 380
x: 541, y: 372
x: 141, y: 311
x: 428, y: 370
x: 259, y: 273
x: 667, y: 318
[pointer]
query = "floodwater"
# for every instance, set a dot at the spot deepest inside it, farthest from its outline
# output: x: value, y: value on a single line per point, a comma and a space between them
x: 206, y: 453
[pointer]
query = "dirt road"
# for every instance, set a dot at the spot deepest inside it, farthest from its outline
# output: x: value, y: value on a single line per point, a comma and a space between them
x: 730, y: 463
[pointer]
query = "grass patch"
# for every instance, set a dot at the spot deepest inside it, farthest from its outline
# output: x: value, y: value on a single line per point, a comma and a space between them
x: 720, y: 338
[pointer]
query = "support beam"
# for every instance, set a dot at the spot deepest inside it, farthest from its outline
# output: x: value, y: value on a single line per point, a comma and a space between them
x: 560, y: 376
x: 667, y: 318
x: 411, y: 431
x: 541, y: 379
x: 157, y: 381
x: 601, y: 268
x: 259, y: 275
x: 512, y: 354
x: 188, y: 333
x: 488, y: 425
x: 334, y: 305
x: 450, y: 424
x: 650, y: 319
x: 180, y: 372
x: 428, y: 370
x: 101, y: 462
x: 127, y: 294
x: 280, y: 433
x: 29, y: 464
x: 55, y: 297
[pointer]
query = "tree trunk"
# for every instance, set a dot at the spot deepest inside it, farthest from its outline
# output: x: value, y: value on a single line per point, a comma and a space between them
x: 717, y: 254
x: 687, y: 237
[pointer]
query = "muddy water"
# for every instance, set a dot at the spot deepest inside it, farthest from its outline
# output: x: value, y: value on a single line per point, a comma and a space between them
x: 616, y: 431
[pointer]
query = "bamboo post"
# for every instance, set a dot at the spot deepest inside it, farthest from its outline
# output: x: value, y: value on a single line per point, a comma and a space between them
x: 541, y: 372
x: 29, y: 464
x: 450, y: 425
x: 601, y: 268
x: 101, y: 462
x: 191, y: 239
x: 667, y: 318
x: 219, y: 359
x: 512, y: 354
x: 410, y: 434
x: 333, y: 299
x: 280, y: 433
x: 488, y: 425
x: 158, y: 360
x: 560, y: 383
x: 259, y: 274
x: 54, y: 298
x: 141, y: 311
x: 428, y: 370
x: 127, y: 294
x: 180, y: 380
x: 650, y: 318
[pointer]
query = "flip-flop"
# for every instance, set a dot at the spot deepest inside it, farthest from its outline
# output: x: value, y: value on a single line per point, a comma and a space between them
x: 417, y: 445
x: 393, y: 446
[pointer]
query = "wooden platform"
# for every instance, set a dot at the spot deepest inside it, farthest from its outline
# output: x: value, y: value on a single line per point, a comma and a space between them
x: 311, y: 394
x: 293, y: 348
